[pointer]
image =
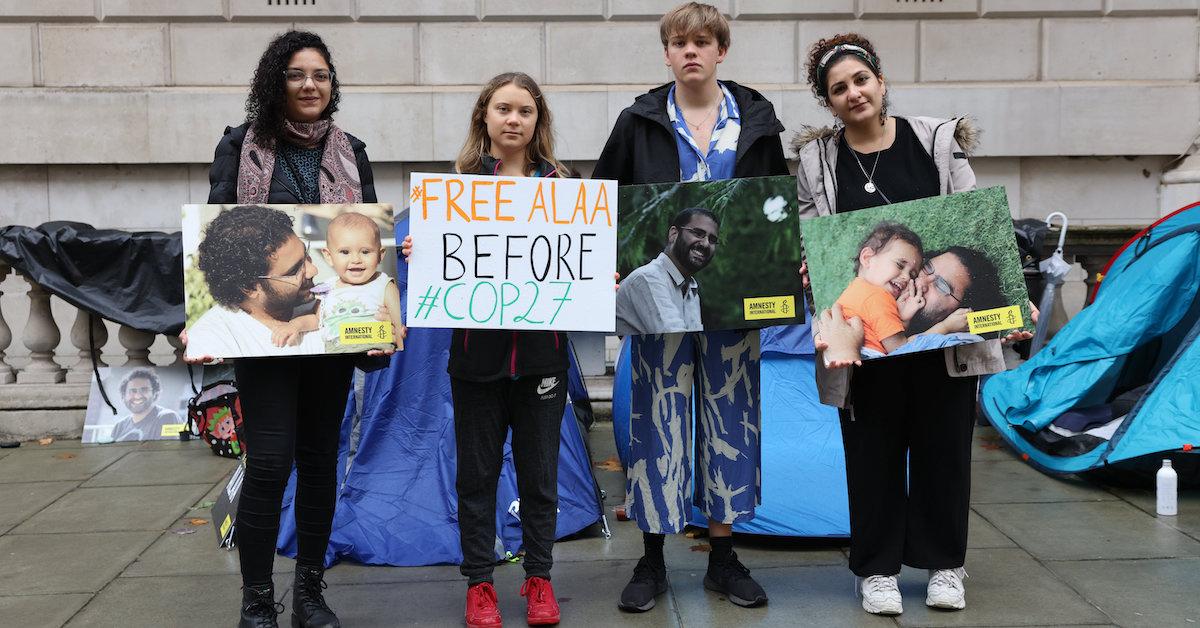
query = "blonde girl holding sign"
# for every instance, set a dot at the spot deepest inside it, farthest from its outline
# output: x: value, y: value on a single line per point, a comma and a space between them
x: 501, y: 378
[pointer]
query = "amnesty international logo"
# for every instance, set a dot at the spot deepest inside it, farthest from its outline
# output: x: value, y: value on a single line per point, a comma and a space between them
x: 369, y: 333
x: 996, y: 319
x: 763, y: 308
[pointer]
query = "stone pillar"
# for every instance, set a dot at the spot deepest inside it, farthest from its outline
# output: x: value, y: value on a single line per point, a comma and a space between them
x: 178, y: 345
x: 41, y: 337
x: 81, y: 371
x: 137, y: 346
x: 1179, y: 186
x: 7, y: 374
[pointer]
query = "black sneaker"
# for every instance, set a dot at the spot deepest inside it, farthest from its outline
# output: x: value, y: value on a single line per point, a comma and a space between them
x: 648, y: 581
x: 732, y: 579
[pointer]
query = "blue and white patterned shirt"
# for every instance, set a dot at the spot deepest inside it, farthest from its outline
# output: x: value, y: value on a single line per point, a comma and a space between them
x: 694, y: 164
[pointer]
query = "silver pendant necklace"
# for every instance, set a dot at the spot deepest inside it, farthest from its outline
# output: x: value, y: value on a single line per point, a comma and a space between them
x: 870, y: 185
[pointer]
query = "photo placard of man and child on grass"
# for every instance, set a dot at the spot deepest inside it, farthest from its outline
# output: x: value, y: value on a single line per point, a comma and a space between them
x: 278, y: 280
x: 708, y: 256
x: 923, y: 274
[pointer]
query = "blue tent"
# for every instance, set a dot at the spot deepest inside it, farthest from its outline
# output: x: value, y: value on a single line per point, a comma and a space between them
x: 396, y: 498
x: 1129, y: 361
x: 803, y: 465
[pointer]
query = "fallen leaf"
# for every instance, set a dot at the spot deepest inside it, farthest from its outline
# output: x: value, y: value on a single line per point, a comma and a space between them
x: 198, y: 522
x: 701, y: 547
x: 619, y: 511
x: 990, y: 446
x: 203, y: 505
x: 611, y: 464
x: 695, y: 533
x: 66, y: 455
x: 45, y: 441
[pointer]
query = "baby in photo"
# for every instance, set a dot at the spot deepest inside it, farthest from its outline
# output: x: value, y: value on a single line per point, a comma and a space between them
x: 883, y: 294
x: 353, y: 247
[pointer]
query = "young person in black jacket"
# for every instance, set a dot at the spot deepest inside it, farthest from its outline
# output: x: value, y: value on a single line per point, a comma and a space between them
x: 288, y: 152
x: 501, y: 378
x: 694, y: 129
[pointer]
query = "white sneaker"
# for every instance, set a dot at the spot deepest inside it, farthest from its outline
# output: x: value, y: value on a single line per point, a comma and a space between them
x: 881, y: 595
x: 946, y: 589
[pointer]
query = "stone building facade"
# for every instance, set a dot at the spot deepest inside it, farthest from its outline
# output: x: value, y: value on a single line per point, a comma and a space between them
x: 112, y: 108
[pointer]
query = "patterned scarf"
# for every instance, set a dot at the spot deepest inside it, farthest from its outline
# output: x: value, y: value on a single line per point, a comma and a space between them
x: 338, y: 179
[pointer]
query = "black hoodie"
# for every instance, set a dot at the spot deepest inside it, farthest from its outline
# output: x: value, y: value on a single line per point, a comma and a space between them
x: 482, y: 355
x: 642, y: 149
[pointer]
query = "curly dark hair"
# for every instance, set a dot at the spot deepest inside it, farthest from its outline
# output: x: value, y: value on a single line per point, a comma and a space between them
x: 142, y: 373
x: 816, y: 75
x: 237, y: 248
x: 983, y: 293
x: 267, y: 102
x: 881, y: 234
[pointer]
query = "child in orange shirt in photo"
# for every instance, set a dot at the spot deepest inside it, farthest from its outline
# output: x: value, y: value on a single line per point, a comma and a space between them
x: 883, y: 293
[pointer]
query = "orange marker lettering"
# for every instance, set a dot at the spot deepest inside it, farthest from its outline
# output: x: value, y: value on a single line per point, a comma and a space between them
x: 476, y: 201
x: 601, y: 203
x: 501, y: 201
x: 452, y: 198
x: 426, y: 197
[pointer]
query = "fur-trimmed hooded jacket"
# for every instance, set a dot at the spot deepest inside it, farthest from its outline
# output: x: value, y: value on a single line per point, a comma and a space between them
x: 949, y: 142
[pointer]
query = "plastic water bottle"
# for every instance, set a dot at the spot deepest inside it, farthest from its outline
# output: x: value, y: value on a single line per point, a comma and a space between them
x: 1167, y: 484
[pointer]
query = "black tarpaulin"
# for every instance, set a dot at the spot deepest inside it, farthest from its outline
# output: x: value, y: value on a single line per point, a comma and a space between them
x: 135, y: 279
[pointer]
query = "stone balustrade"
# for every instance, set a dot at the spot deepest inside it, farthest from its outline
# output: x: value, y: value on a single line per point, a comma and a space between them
x: 44, y: 386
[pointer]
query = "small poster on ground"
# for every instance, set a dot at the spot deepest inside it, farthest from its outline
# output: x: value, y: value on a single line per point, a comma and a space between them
x: 518, y: 253
x: 278, y: 280
x: 150, y: 401
x: 709, y: 255
x: 924, y: 274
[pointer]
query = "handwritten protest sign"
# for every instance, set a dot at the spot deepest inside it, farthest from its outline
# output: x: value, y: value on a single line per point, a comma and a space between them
x: 512, y: 253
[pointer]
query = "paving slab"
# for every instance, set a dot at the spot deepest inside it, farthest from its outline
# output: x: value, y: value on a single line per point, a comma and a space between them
x: 799, y: 596
x: 1005, y: 587
x: 51, y: 464
x: 1014, y: 481
x: 1088, y: 531
x: 195, y: 553
x: 171, y: 601
x: 349, y: 573
x: 40, y: 610
x: 21, y: 501
x: 66, y: 563
x: 1138, y: 592
x: 113, y: 509
x: 147, y: 468
x: 988, y: 445
x: 983, y: 535
x: 1188, y: 519
x: 587, y: 595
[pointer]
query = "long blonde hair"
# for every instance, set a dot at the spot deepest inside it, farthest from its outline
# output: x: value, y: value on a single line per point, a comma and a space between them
x: 478, y: 144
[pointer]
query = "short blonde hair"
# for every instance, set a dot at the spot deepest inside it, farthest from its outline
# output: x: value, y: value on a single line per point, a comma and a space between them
x: 692, y: 18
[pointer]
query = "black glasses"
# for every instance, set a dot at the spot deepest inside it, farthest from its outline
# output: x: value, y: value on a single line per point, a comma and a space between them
x: 297, y: 277
x: 703, y: 235
x: 940, y: 282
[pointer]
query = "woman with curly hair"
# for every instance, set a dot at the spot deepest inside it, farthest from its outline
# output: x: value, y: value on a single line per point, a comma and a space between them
x: 906, y: 421
x: 289, y: 151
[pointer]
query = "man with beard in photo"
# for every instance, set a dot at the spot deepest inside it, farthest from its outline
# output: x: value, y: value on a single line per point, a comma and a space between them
x: 140, y: 390
x: 261, y: 276
x: 663, y: 296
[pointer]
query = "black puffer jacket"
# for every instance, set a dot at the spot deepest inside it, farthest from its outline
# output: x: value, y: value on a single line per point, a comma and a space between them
x: 641, y: 148
x: 222, y: 177
x: 482, y: 355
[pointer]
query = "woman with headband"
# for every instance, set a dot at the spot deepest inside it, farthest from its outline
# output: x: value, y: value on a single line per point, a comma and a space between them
x: 906, y: 421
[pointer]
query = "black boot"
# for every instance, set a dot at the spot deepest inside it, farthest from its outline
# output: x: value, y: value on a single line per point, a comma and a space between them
x: 309, y: 609
x: 259, y: 608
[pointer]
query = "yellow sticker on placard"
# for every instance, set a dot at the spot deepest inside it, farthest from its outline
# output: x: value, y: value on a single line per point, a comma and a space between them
x: 172, y: 429
x: 997, y: 319
x: 225, y: 526
x: 368, y: 333
x: 761, y: 308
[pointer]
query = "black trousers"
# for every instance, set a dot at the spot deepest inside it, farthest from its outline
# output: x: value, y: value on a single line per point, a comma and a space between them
x: 483, y: 413
x: 293, y: 411
x: 908, y: 414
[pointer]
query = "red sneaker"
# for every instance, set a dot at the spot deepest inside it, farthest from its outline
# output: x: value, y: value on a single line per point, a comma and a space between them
x: 481, y: 606
x: 542, y: 606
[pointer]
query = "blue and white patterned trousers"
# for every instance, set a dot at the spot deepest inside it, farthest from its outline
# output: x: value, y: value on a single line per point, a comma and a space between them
x: 723, y: 366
